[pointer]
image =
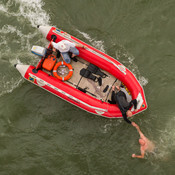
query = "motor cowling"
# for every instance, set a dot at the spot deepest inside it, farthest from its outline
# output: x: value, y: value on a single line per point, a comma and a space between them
x: 38, y: 50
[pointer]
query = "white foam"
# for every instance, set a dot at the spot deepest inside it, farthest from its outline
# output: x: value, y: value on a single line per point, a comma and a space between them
x: 15, y: 61
x: 10, y: 29
x: 143, y: 81
x: 3, y: 8
x: 3, y: 42
x: 29, y: 9
x: 32, y: 10
x: 97, y: 44
x: 166, y: 141
x: 110, y: 125
x: 128, y: 60
x: 120, y: 53
x: 10, y: 85
x: 23, y: 40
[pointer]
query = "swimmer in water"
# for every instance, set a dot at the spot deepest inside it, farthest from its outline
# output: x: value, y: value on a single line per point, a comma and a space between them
x: 145, y: 144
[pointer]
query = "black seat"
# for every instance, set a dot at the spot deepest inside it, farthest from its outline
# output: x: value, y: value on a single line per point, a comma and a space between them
x: 87, y: 74
x: 96, y: 70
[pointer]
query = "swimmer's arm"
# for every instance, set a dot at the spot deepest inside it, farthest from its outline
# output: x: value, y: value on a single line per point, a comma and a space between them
x: 141, y: 134
x: 139, y: 131
x: 139, y: 156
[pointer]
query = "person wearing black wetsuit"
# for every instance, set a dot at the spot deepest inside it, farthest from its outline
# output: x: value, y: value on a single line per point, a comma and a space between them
x: 124, y: 106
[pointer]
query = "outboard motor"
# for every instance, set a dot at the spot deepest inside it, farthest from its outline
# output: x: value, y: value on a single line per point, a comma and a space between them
x: 38, y: 50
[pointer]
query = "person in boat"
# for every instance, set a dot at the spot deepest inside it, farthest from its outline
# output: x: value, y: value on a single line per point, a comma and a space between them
x: 120, y: 99
x: 145, y: 144
x: 66, y: 46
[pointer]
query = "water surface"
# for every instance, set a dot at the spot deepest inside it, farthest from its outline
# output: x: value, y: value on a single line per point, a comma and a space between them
x: 42, y: 134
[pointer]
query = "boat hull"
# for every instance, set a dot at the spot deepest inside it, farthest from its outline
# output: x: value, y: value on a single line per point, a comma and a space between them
x: 77, y: 97
x: 71, y: 95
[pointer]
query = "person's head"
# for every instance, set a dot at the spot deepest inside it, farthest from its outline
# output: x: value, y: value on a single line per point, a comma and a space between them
x: 129, y: 113
x: 142, y: 142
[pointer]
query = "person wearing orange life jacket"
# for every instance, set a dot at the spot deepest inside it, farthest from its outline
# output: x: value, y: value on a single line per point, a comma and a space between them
x: 66, y: 46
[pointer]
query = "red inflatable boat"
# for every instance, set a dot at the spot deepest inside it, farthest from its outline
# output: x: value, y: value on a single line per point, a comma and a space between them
x: 89, y: 79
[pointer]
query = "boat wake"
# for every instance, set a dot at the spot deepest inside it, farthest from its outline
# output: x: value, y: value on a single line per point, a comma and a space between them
x: 122, y: 55
x: 128, y: 60
x: 16, y: 39
x: 166, y: 142
x: 97, y: 44
x: 30, y: 10
x: 17, y: 35
x: 33, y: 11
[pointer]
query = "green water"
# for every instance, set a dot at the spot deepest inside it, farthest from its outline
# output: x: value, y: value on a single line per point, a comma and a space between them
x: 41, y: 134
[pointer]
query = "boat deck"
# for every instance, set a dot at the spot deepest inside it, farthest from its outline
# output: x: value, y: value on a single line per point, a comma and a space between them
x: 88, y: 86
x: 92, y: 88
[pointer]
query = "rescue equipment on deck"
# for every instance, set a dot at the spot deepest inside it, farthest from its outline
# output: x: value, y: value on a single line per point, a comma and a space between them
x: 106, y: 88
x: 38, y: 50
x: 87, y: 74
x: 49, y: 62
x: 96, y: 70
x: 55, y: 71
x: 92, y: 69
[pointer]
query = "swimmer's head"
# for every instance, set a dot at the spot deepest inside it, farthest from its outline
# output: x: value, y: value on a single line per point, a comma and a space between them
x: 142, y: 142
x: 129, y: 113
